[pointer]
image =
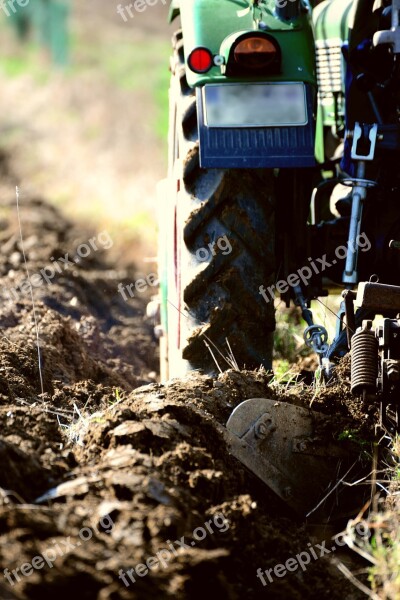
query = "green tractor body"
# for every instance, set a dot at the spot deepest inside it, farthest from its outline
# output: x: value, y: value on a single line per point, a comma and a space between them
x: 216, y: 24
x: 251, y: 117
x: 247, y: 131
x: 331, y: 22
x: 257, y: 86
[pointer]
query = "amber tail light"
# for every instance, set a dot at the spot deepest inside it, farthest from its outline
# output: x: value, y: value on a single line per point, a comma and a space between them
x: 255, y: 54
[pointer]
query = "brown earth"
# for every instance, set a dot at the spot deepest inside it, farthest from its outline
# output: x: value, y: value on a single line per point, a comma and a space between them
x: 147, y: 464
x: 105, y: 447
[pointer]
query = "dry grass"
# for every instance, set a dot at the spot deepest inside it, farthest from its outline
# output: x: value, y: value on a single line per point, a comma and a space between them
x: 376, y: 536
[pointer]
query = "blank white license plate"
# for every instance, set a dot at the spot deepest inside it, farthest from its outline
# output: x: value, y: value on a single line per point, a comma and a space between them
x: 255, y: 105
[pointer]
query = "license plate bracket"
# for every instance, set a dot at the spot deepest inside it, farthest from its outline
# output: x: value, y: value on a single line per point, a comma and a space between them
x: 257, y: 146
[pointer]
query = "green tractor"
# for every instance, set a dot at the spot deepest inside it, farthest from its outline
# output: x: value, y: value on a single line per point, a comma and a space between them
x: 243, y: 101
x: 273, y: 105
x: 256, y: 114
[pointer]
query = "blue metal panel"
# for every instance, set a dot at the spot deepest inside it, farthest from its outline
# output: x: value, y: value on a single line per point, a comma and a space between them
x: 257, y: 148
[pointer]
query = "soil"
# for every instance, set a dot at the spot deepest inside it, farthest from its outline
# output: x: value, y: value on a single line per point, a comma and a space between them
x: 102, y: 450
x: 107, y: 448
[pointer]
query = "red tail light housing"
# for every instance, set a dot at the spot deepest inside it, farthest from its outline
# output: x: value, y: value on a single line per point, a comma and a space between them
x: 200, y: 60
x: 255, y: 54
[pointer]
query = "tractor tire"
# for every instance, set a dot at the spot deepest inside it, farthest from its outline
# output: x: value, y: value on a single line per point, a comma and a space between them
x: 218, y: 249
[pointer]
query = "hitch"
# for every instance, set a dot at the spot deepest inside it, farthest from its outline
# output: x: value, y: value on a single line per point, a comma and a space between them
x: 315, y: 336
x: 391, y: 36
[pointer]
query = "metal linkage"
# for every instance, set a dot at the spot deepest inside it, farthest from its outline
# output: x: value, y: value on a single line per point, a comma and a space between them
x: 391, y: 36
x: 315, y: 336
x: 375, y: 352
x: 388, y: 334
x: 363, y: 149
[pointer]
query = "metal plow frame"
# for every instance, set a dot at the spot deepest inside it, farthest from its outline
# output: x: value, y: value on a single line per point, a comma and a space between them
x: 284, y: 445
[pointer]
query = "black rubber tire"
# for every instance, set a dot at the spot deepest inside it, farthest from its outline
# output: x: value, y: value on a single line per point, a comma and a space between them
x: 220, y: 296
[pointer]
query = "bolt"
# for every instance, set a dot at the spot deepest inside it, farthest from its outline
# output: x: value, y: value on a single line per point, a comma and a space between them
x: 288, y: 492
x: 264, y: 426
x: 367, y: 325
x: 262, y: 430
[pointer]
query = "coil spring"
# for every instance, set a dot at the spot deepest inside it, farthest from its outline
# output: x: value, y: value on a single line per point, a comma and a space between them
x: 364, y: 361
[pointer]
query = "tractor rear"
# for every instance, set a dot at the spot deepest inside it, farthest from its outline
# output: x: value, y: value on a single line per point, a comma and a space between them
x: 262, y: 127
x: 241, y: 162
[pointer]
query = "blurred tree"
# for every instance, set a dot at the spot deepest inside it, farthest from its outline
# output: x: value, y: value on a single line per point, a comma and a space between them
x: 47, y: 20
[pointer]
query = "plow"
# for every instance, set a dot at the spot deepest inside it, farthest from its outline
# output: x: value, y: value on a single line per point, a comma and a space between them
x: 284, y: 140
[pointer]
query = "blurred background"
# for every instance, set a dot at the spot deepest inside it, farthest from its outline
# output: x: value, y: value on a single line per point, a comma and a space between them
x: 84, y: 105
x: 84, y: 122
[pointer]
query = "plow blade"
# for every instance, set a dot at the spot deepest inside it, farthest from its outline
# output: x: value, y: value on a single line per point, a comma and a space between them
x: 289, y: 448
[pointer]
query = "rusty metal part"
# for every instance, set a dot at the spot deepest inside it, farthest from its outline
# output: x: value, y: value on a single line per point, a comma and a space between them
x: 286, y: 447
x: 349, y: 296
x: 388, y: 333
x: 378, y: 297
x: 364, y: 360
x: 317, y: 446
x: 392, y: 369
